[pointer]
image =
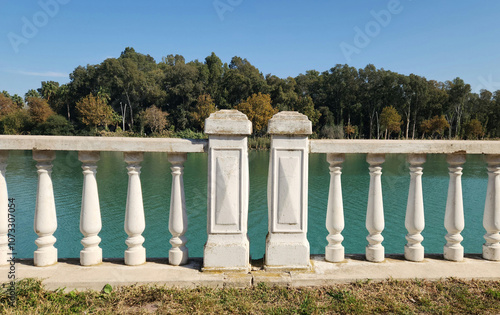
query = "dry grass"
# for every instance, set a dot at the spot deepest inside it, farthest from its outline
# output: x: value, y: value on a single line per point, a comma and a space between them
x: 451, y: 296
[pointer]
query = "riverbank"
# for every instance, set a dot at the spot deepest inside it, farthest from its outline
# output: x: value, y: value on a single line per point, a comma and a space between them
x: 415, y: 296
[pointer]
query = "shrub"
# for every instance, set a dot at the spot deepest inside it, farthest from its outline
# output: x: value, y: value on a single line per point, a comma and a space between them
x: 55, y: 125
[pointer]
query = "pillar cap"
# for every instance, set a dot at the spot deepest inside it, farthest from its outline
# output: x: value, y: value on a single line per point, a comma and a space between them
x: 289, y: 123
x: 228, y: 122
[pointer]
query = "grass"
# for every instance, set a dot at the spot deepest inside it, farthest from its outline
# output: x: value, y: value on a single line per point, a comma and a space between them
x: 450, y: 296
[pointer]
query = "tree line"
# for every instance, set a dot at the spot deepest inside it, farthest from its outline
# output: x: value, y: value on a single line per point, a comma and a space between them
x: 135, y: 95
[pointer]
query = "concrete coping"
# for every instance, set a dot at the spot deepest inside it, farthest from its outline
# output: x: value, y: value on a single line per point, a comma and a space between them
x: 289, y: 123
x: 228, y: 122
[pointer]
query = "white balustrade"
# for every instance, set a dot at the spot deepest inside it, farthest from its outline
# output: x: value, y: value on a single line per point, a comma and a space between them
x: 45, y: 211
x: 178, y: 224
x: 135, y: 222
x: 454, y: 215
x: 414, y: 220
x: 287, y: 246
x: 334, y: 251
x: 491, y: 219
x: 227, y: 246
x: 90, y: 216
x: 375, y: 210
x: 4, y: 211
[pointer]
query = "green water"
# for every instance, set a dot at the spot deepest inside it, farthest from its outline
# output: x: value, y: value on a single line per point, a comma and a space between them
x: 112, y: 180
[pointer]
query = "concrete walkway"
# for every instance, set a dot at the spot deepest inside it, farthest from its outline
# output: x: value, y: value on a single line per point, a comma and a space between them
x: 67, y: 273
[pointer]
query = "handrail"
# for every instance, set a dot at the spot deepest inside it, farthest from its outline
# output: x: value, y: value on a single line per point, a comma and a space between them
x: 405, y: 146
x: 120, y: 144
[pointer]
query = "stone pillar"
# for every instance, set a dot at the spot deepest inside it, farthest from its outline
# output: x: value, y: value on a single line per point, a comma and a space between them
x: 4, y: 211
x: 178, y: 224
x: 286, y: 242
x: 491, y: 219
x: 375, y: 210
x: 227, y: 246
x: 454, y: 215
x: 45, y: 211
x: 414, y: 221
x: 334, y: 251
x: 90, y: 216
x: 135, y: 223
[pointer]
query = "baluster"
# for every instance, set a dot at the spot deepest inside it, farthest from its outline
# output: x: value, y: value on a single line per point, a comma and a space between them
x: 135, y: 223
x: 334, y: 251
x: 454, y: 215
x: 375, y: 210
x: 177, y: 225
x: 45, y: 211
x: 491, y: 219
x: 4, y: 211
x: 414, y: 221
x: 90, y: 216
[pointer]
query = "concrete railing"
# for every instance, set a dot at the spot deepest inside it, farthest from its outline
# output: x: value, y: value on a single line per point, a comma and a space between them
x: 227, y: 246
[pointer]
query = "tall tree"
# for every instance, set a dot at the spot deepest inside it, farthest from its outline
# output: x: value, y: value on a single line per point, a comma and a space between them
x: 458, y: 93
x: 155, y: 118
x: 390, y: 120
x: 204, y: 107
x: 94, y: 111
x: 38, y: 109
x: 259, y: 111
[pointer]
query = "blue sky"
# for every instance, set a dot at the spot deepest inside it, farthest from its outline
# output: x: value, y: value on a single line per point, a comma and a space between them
x: 46, y: 39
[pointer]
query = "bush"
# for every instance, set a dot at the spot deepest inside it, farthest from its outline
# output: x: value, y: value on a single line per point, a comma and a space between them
x: 16, y: 123
x: 332, y: 132
x: 55, y: 125
x: 189, y: 134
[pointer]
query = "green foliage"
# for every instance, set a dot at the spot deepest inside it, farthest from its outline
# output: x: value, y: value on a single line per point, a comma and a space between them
x: 390, y: 120
x: 204, y: 107
x: 331, y: 132
x: 16, y: 123
x: 55, y: 125
x: 259, y: 111
x: 259, y: 143
x: 94, y: 111
x: 435, y: 126
x: 473, y: 129
x: 107, y: 288
x: 341, y: 96
x: 189, y: 134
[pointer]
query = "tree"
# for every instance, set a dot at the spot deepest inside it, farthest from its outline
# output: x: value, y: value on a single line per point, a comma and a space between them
x: 458, y: 92
x: 474, y: 129
x: 16, y: 123
x: 155, y: 118
x: 7, y: 106
x: 305, y: 106
x: 38, y: 109
x: 391, y: 120
x: 204, y: 107
x: 242, y: 80
x: 55, y: 125
x: 31, y: 93
x: 436, y: 125
x: 350, y: 130
x: 94, y: 111
x: 259, y: 111
x: 49, y: 91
